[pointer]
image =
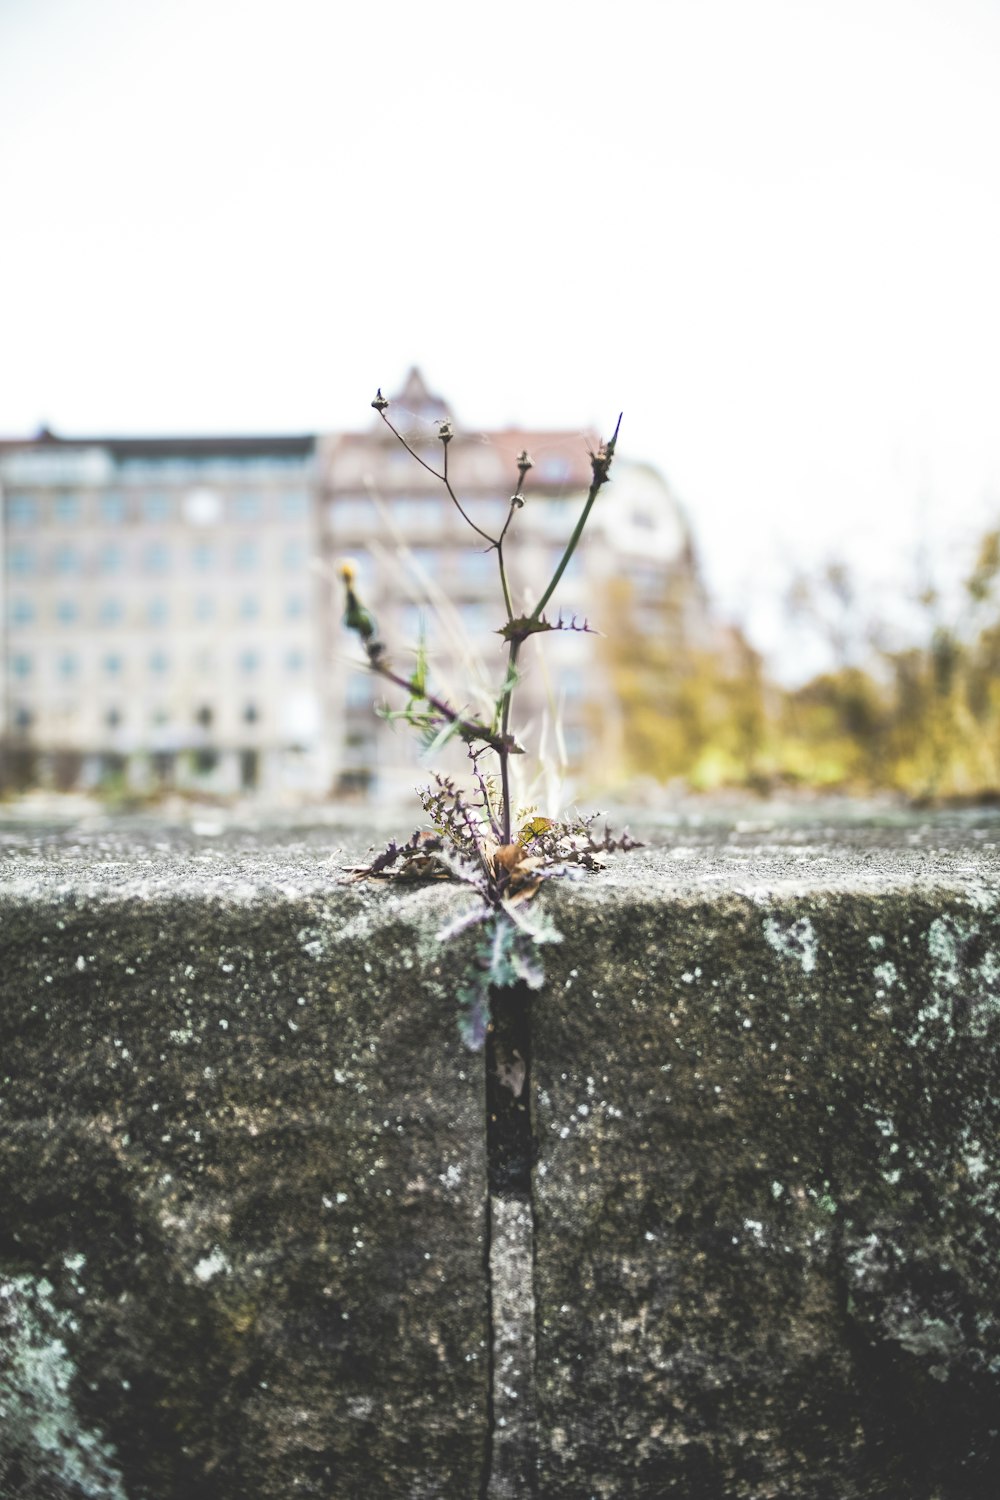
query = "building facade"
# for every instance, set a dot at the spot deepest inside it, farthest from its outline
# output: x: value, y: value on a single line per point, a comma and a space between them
x: 160, y: 613
x: 171, y: 608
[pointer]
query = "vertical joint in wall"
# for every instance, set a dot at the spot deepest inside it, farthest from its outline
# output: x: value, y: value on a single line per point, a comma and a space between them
x: 510, y: 1157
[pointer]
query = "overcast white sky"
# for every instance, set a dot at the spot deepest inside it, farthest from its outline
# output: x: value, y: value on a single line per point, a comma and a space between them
x: 769, y: 232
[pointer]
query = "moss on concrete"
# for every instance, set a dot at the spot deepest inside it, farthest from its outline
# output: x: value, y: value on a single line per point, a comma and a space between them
x: 241, y: 1147
x: 767, y: 1244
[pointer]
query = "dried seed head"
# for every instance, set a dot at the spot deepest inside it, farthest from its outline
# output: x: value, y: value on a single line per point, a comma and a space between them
x: 445, y: 433
x: 600, y: 462
x: 516, y: 501
x: 524, y: 462
x: 380, y: 403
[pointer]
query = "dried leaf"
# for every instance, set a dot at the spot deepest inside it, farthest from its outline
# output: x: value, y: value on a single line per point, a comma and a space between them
x: 511, y: 1075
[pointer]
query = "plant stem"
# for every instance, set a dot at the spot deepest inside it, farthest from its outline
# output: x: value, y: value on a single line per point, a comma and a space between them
x: 503, y: 578
x: 473, y: 729
x: 600, y: 477
x: 504, y: 753
x: 443, y: 478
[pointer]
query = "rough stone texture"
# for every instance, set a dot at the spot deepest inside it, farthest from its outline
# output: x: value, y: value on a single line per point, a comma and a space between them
x: 242, y: 1177
x: 512, y: 1466
x: 767, y: 1100
x: 766, y: 1080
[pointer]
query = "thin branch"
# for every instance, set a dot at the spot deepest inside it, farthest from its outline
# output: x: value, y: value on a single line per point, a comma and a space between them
x: 442, y: 477
x: 472, y: 729
x: 601, y: 464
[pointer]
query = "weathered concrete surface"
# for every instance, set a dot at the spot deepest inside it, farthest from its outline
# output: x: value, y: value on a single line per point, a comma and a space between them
x: 242, y: 1177
x: 767, y: 1100
x: 766, y: 1071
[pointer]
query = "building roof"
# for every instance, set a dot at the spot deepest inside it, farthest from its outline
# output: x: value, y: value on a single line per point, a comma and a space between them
x: 215, y: 446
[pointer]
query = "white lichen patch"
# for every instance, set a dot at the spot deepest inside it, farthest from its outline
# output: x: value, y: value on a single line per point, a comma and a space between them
x: 796, y: 942
x: 886, y: 974
x: 965, y: 968
x: 211, y: 1265
x: 37, y: 1416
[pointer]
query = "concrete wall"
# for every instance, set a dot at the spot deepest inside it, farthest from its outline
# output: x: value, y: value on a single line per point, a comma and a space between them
x: 245, y: 1240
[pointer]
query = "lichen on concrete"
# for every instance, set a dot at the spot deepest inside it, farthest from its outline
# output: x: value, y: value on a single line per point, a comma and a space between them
x: 242, y: 1146
x: 241, y: 1143
x: 767, y: 1247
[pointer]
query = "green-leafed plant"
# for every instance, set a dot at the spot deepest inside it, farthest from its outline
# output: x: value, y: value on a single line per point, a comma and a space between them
x: 476, y: 837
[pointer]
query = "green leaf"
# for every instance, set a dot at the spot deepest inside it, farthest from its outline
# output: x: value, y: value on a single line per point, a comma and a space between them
x: 418, y: 677
x: 522, y: 627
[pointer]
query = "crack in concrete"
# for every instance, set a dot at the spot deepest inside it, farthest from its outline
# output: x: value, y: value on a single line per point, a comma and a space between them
x: 511, y: 1458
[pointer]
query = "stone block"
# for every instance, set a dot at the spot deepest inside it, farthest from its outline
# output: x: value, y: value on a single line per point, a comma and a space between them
x: 767, y: 1110
x: 243, y: 1186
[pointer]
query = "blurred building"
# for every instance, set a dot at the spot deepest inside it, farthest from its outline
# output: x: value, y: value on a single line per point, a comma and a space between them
x: 171, y: 610
x: 426, y: 575
x: 159, y: 614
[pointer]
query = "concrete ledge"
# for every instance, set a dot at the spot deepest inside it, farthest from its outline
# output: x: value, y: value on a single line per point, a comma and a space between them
x: 242, y: 1171
x: 244, y: 1252
x: 767, y: 1247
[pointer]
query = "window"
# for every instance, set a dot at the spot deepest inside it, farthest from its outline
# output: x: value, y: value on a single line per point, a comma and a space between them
x: 251, y: 714
x: 22, y: 510
x: 204, y: 717
x: 21, y: 560
x: 157, y: 610
x: 419, y: 513
x: 156, y: 557
x: 156, y: 506
x: 66, y: 560
x: 203, y: 557
x: 22, y: 718
x: 295, y: 660
x: 111, y: 508
x: 359, y: 690
x: 475, y: 618
x: 351, y: 515
x: 67, y: 665
x: 110, y: 612
x: 249, y: 661
x: 428, y: 560
x: 22, y: 611
x: 113, y: 718
x: 479, y: 567
x: 572, y: 682
x: 249, y: 607
x: 158, y: 663
x: 295, y: 607
x: 295, y: 505
x: 245, y: 556
x: 294, y: 554
x: 204, y: 607
x: 246, y: 506
x: 412, y: 624
x: 67, y: 611
x: 113, y: 664
x: 20, y: 664
x: 66, y: 508
x: 111, y: 558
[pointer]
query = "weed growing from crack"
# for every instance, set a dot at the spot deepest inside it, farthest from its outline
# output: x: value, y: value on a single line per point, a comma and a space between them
x: 476, y: 838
